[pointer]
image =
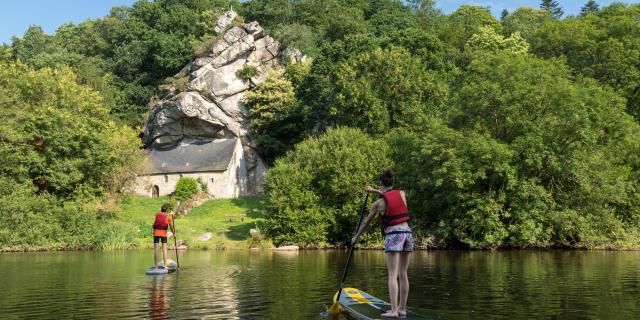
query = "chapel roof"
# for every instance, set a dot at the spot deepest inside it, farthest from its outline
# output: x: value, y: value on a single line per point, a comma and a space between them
x: 200, y: 156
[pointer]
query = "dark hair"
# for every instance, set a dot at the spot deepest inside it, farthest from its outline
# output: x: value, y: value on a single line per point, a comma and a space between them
x: 164, y: 207
x: 386, y: 177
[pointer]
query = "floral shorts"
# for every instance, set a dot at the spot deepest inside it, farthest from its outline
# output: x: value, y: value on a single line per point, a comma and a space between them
x: 398, y: 239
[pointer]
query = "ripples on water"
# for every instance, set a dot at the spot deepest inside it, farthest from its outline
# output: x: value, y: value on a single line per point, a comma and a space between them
x: 291, y: 285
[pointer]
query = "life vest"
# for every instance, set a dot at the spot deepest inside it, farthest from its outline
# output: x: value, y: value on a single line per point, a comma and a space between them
x: 397, y: 211
x: 161, y: 221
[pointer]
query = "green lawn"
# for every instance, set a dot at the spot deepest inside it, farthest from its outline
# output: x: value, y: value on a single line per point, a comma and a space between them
x: 212, y: 216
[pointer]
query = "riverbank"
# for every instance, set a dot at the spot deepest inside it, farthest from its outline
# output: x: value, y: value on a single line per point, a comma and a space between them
x: 221, y: 224
x: 216, y: 224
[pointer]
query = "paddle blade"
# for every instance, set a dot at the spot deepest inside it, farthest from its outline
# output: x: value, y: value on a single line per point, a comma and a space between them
x: 335, y: 307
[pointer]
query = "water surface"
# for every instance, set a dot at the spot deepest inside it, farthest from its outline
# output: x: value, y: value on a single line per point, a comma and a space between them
x: 292, y: 285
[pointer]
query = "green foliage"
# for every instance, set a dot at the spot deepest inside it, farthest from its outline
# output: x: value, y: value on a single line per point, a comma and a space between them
x: 275, y: 115
x: 388, y: 16
x: 299, y: 36
x: 552, y: 7
x: 247, y: 72
x: 312, y: 194
x: 488, y: 40
x: 269, y: 13
x: 185, y: 188
x: 385, y: 89
x: 203, y: 186
x: 526, y: 21
x: 590, y: 7
x: 465, y: 22
x: 58, y: 135
x: 565, y: 132
x: 603, y: 46
x: 425, y: 45
x: 35, y: 221
x: 61, y: 154
x: 456, y: 183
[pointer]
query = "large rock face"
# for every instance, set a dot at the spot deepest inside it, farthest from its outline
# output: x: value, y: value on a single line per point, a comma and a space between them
x: 211, y: 105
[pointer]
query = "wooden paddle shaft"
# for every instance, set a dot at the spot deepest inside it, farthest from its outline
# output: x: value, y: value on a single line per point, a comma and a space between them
x: 175, y: 242
x: 346, y: 268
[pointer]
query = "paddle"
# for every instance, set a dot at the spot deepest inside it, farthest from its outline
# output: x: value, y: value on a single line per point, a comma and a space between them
x: 335, y: 307
x: 175, y: 242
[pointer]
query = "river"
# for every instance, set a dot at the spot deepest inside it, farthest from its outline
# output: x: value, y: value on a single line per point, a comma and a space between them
x: 298, y: 285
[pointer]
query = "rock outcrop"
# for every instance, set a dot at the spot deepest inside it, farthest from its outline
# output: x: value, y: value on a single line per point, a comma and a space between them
x: 210, y: 106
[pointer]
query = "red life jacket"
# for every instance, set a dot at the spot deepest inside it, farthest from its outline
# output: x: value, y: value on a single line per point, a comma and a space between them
x: 161, y: 221
x: 397, y: 211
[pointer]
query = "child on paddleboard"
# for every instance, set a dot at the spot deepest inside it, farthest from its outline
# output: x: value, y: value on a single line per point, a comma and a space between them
x: 161, y: 224
x: 398, y: 240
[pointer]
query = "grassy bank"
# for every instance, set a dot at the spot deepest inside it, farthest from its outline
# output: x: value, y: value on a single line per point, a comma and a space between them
x: 212, y: 216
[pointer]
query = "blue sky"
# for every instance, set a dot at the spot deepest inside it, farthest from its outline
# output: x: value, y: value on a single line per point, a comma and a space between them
x: 570, y: 7
x: 17, y: 15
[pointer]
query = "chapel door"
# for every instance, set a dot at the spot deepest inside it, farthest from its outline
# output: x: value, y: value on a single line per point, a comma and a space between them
x: 155, y: 193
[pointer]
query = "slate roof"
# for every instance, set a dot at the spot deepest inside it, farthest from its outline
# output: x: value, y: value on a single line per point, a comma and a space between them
x: 193, y: 157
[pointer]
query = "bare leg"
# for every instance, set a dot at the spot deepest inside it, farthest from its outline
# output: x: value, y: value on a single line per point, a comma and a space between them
x: 404, y: 281
x: 164, y: 254
x: 392, y: 267
x: 155, y: 254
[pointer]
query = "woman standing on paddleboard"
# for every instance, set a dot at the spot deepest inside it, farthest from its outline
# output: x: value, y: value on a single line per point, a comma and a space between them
x: 398, y: 240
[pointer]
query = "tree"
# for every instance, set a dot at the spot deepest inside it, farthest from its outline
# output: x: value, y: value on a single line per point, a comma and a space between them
x: 33, y: 42
x: 298, y: 36
x: 526, y: 21
x: 465, y: 22
x: 602, y: 46
x: 553, y: 7
x: 504, y: 14
x: 185, y: 188
x: 567, y: 134
x: 312, y: 194
x: 518, y: 164
x: 269, y: 13
x: 276, y: 117
x: 58, y: 135
x: 456, y: 184
x: 384, y: 89
x: 590, y: 7
x: 388, y: 16
x: 488, y: 40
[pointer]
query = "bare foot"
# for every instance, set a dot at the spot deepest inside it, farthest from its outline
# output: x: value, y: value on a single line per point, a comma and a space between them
x: 390, y: 314
x: 402, y: 314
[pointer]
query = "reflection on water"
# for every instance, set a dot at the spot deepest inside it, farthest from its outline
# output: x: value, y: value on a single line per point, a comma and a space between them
x: 159, y: 300
x: 298, y: 285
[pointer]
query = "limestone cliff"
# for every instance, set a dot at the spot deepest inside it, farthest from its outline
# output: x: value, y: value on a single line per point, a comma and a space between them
x: 209, y: 106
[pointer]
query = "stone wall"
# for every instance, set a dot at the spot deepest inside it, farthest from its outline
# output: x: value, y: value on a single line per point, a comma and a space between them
x: 231, y: 183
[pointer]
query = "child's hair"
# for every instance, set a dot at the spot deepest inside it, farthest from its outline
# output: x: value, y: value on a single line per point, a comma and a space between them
x: 386, y: 177
x: 164, y: 207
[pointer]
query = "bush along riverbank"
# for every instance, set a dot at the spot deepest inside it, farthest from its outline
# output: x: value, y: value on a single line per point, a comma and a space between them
x: 464, y: 190
x: 60, y: 158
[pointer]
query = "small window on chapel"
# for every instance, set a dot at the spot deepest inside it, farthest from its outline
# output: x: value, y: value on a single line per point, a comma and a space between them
x: 166, y: 178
